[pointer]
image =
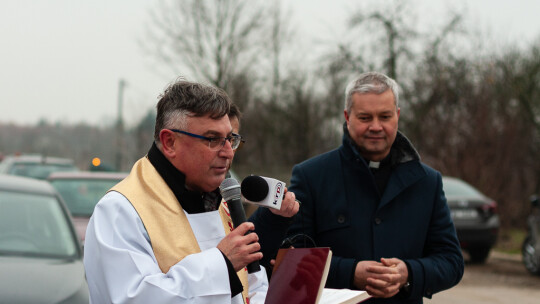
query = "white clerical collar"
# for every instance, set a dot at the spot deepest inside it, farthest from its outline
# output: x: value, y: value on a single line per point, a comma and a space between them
x: 374, y: 165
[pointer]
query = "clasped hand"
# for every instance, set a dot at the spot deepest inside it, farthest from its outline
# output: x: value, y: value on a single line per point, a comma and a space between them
x: 241, y: 248
x: 381, y: 279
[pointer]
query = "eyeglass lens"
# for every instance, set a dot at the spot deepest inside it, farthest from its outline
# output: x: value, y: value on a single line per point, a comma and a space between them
x: 217, y: 144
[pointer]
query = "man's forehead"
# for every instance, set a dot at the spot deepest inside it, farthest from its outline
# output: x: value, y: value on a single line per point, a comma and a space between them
x: 374, y: 108
x: 208, y: 124
x: 373, y: 101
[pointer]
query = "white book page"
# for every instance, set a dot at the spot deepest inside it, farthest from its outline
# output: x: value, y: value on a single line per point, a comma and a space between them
x: 342, y: 296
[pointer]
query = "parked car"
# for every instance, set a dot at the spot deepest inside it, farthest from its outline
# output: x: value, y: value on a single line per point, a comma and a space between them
x: 475, y: 217
x: 531, y: 245
x: 35, y: 166
x: 81, y: 190
x: 40, y: 255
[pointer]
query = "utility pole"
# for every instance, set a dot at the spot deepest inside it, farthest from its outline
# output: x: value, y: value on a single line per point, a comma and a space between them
x: 120, y: 127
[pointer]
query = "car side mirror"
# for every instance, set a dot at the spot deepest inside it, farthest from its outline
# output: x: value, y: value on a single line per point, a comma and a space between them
x: 535, y: 200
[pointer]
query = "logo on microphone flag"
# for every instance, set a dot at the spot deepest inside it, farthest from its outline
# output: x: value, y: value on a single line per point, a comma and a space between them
x: 278, y: 195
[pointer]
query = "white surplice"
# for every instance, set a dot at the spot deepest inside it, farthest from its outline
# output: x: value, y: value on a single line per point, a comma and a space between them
x: 121, y: 266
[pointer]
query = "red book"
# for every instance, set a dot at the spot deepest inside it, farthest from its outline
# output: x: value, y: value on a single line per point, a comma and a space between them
x: 299, y: 277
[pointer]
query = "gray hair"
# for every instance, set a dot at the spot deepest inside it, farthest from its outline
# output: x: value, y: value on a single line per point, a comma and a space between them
x: 183, y: 99
x: 370, y: 82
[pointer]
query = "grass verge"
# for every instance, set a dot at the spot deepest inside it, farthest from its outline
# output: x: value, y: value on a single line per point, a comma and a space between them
x: 510, y: 240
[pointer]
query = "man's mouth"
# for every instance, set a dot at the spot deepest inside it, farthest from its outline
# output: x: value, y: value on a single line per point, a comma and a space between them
x: 221, y: 168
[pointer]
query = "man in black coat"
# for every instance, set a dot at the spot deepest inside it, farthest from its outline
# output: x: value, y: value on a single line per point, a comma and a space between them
x: 376, y: 205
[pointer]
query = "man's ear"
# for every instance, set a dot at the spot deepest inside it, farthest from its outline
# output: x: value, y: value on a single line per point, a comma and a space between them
x: 346, y: 116
x: 167, y: 139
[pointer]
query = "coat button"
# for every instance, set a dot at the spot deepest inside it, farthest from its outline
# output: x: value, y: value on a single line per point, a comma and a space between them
x: 378, y: 221
x: 341, y: 219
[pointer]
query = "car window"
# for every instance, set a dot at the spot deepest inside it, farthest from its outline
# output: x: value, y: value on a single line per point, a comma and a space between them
x: 81, y: 196
x: 34, y: 225
x: 38, y: 170
x: 3, y: 166
x: 457, y: 188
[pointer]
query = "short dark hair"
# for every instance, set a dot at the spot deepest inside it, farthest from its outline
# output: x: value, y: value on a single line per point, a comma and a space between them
x: 183, y: 99
x: 234, y: 111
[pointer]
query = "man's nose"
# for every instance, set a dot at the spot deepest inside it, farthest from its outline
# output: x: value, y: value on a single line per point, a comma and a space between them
x: 226, y: 150
x: 375, y: 125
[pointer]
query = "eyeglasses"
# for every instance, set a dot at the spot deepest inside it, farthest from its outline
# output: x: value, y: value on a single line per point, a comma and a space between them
x: 216, y: 143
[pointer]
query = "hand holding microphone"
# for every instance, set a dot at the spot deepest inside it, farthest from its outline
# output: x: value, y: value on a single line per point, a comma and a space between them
x: 230, y: 191
x: 241, y: 247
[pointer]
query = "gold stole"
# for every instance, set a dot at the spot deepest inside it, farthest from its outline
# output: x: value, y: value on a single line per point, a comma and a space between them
x: 169, y: 230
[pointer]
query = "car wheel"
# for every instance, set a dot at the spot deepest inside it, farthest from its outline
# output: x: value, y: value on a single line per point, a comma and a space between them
x: 479, y: 255
x: 531, y: 258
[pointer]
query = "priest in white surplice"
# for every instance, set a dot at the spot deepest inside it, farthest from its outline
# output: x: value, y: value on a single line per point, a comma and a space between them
x: 163, y: 235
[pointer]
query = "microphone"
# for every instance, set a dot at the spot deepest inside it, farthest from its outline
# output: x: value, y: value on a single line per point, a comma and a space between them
x: 263, y: 191
x: 268, y: 192
x: 230, y: 191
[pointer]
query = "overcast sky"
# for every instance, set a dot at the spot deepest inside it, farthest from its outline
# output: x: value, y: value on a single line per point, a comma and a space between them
x: 62, y: 59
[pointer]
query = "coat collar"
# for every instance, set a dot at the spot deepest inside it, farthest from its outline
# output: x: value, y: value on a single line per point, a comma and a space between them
x: 402, y: 149
x: 404, y: 159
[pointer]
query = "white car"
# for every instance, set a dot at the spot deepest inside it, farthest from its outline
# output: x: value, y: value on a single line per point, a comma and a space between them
x: 35, y: 166
x: 40, y: 255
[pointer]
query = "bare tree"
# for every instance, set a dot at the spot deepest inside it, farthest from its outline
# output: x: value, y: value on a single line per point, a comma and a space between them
x: 521, y: 70
x: 215, y: 40
x: 281, y: 33
x: 475, y: 118
x: 398, y: 31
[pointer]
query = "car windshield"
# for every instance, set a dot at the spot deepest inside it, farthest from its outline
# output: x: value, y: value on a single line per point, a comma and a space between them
x: 81, y: 196
x: 39, y: 170
x: 457, y: 188
x: 34, y: 225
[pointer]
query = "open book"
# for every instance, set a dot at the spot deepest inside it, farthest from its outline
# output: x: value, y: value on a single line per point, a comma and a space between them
x: 299, y: 276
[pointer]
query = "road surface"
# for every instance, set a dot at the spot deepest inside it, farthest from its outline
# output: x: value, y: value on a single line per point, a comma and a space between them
x: 502, y: 279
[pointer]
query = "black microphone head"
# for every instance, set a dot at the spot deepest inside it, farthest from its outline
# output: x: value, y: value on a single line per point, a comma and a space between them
x: 254, y: 188
x: 230, y: 189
